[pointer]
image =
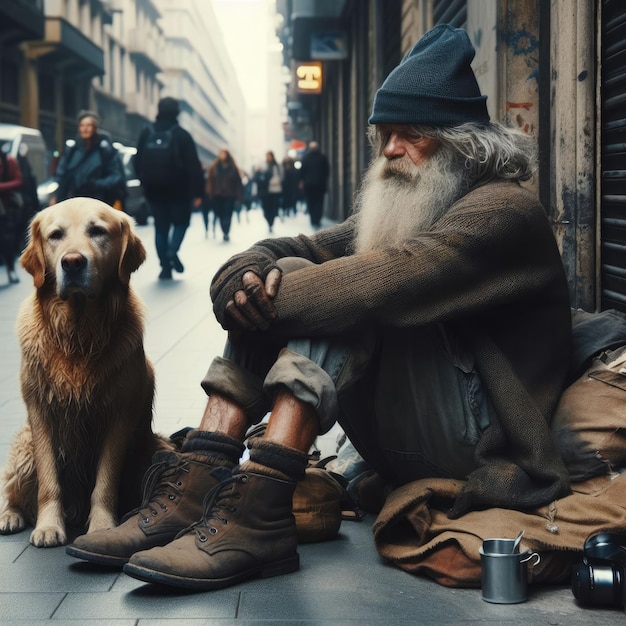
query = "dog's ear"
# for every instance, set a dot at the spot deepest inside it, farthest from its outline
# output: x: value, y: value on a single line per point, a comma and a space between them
x: 33, y: 259
x: 133, y: 253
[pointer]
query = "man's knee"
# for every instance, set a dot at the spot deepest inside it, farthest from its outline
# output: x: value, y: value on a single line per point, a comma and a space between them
x: 293, y: 263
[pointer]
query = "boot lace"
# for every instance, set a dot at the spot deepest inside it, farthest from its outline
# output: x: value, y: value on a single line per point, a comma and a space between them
x: 161, y: 480
x: 217, y: 503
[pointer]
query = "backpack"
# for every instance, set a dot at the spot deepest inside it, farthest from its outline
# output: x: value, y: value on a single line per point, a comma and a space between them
x: 160, y: 160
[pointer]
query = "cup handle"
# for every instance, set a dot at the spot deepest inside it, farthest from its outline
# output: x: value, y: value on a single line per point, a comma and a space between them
x: 532, y: 556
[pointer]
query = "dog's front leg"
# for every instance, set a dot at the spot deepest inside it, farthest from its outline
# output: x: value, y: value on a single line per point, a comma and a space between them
x: 50, y: 527
x: 104, y: 497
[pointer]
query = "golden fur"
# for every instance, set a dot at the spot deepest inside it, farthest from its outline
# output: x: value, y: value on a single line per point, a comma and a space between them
x: 85, y: 379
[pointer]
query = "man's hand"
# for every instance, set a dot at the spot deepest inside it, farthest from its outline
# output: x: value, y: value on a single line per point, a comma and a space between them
x: 197, y: 202
x: 252, y: 307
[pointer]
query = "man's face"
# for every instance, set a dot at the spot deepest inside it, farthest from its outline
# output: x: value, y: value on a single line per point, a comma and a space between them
x: 400, y: 141
x: 87, y: 128
x: 408, y: 187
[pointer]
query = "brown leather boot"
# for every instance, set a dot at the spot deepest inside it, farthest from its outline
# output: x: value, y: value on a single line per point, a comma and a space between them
x: 174, y: 489
x: 247, y: 530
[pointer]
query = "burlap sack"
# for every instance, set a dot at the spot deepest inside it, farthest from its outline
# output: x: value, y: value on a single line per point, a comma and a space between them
x: 589, y: 425
x: 317, y: 506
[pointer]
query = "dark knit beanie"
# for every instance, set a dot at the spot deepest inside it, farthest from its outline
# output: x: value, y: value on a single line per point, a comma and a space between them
x: 434, y: 84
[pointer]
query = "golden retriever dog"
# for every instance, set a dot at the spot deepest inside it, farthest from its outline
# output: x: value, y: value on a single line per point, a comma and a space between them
x: 85, y: 379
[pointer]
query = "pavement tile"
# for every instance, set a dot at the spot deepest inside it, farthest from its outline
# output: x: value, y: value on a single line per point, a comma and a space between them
x: 28, y: 606
x: 148, y: 603
x: 49, y: 570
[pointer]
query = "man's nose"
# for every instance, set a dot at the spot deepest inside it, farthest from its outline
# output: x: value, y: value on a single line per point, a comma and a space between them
x: 395, y: 147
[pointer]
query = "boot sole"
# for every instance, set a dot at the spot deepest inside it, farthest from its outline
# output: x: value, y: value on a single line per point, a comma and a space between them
x: 286, y: 566
x: 99, y: 559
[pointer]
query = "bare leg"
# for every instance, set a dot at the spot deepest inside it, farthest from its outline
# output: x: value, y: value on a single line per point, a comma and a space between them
x: 292, y: 423
x: 222, y: 415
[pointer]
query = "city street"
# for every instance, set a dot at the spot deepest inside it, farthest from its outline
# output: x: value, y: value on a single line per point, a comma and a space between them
x: 340, y: 582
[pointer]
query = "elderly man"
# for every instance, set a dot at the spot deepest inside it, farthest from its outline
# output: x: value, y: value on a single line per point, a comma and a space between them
x: 90, y: 165
x: 433, y: 324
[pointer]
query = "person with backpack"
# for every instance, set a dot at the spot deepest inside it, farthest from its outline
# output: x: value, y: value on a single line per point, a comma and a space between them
x: 168, y: 166
x: 90, y: 165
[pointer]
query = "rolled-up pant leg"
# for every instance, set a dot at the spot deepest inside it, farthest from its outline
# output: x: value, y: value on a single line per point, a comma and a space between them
x: 309, y: 369
x: 253, y: 369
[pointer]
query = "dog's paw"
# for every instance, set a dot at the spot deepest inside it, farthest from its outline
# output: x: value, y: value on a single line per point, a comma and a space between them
x: 11, y: 521
x: 48, y: 536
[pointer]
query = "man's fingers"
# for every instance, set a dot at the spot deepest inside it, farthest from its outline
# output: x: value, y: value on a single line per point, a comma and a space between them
x: 255, y: 290
x: 272, y: 282
x: 248, y: 309
x: 253, y: 285
x: 234, y: 314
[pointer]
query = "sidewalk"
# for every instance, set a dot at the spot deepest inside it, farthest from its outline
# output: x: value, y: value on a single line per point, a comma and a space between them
x: 341, y: 582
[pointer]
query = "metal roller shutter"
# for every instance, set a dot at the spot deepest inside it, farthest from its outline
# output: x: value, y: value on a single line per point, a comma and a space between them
x: 613, y: 164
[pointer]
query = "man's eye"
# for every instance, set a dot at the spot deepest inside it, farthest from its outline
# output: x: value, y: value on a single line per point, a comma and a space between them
x: 415, y: 137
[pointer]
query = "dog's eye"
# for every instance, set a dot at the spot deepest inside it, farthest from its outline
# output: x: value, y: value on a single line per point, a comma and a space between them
x: 96, y: 231
x: 57, y: 234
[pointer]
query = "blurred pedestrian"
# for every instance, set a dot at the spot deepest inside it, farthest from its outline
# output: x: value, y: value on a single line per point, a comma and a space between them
x: 252, y: 188
x: 168, y: 166
x: 224, y: 189
x: 314, y: 176
x: 291, y: 180
x: 11, y: 205
x: 90, y: 165
x: 270, y: 188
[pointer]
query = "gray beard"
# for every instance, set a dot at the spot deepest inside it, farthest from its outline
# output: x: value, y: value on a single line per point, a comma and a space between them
x: 399, y: 200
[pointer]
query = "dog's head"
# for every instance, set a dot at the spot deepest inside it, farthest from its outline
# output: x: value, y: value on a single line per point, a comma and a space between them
x: 80, y: 245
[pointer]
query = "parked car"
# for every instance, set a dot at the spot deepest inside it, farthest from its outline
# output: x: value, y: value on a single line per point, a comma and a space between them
x: 135, y: 203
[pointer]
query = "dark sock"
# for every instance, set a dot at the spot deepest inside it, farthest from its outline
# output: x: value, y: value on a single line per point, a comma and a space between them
x: 216, y: 446
x: 289, y: 462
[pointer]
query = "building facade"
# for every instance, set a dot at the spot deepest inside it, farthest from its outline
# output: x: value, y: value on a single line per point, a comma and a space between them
x: 117, y: 57
x: 555, y: 69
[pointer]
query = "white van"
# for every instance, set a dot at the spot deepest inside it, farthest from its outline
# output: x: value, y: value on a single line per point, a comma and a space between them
x: 15, y: 139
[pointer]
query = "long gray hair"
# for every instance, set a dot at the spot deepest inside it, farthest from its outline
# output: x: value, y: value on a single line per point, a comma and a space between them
x: 488, y: 152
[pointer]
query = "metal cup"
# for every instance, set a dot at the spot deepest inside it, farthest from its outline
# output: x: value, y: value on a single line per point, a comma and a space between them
x: 504, y: 572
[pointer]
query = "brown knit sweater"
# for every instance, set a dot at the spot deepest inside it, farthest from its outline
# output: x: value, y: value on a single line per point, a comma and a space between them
x: 491, y: 269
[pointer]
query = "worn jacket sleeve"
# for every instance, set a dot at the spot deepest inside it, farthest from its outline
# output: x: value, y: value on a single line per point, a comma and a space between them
x: 326, y: 244
x: 491, y: 249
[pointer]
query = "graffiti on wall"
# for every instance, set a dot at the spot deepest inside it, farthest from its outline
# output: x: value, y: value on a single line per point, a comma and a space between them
x: 523, y: 51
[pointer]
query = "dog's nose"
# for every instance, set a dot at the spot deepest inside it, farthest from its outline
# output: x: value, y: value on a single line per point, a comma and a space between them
x: 73, y: 262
